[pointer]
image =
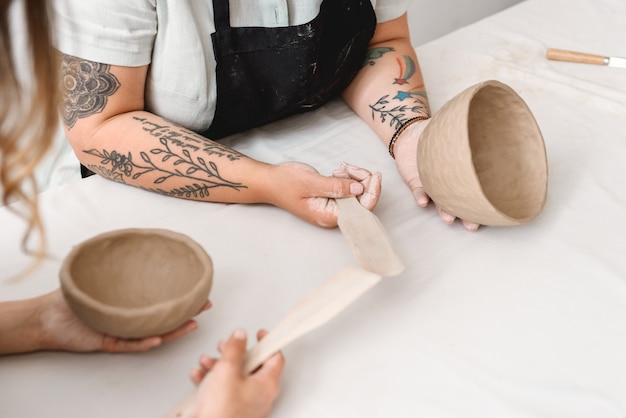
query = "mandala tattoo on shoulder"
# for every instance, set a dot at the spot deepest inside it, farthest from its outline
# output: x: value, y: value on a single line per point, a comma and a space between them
x: 86, y: 87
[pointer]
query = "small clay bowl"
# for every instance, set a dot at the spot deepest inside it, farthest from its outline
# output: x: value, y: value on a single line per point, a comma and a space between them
x: 482, y: 157
x: 135, y: 283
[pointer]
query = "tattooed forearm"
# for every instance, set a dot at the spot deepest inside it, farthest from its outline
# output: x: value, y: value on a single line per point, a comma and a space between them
x: 181, y: 154
x: 395, y: 110
x: 185, y: 138
x: 374, y: 54
x: 86, y: 88
x: 396, y: 115
x: 407, y: 69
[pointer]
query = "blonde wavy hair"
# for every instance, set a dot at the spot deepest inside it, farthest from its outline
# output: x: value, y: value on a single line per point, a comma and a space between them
x: 29, y: 98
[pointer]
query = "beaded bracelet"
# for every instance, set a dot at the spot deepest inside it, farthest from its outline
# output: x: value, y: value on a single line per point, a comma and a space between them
x: 401, y: 129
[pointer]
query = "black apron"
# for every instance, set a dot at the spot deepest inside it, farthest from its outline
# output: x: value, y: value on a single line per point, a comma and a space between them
x: 265, y: 74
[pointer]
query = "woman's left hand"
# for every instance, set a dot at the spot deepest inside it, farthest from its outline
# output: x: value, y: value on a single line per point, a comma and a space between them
x: 303, y: 191
x: 405, y: 151
x: 62, y: 330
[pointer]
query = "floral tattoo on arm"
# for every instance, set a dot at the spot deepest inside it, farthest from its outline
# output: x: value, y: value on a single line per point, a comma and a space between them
x: 181, y: 154
x: 86, y: 87
x: 407, y: 102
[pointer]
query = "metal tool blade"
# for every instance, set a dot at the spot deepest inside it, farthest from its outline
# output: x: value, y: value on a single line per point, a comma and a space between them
x: 617, y: 62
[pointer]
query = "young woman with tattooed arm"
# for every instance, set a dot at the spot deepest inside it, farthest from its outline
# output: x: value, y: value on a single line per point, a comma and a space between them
x: 151, y: 112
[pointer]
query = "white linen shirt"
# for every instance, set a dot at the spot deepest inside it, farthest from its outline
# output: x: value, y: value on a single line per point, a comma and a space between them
x: 174, y: 38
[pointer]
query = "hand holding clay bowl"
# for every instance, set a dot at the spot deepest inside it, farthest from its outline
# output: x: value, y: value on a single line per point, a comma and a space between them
x: 135, y: 283
x: 482, y: 157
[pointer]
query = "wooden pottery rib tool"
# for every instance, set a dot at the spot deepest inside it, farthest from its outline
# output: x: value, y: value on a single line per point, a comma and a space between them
x: 330, y: 298
x: 367, y: 238
x: 584, y: 58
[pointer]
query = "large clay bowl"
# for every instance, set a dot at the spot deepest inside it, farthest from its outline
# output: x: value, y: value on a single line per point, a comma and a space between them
x: 482, y: 157
x: 134, y: 283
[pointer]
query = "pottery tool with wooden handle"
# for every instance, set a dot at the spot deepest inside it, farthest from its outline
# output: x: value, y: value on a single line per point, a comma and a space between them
x: 584, y: 58
x: 367, y: 238
x: 326, y: 301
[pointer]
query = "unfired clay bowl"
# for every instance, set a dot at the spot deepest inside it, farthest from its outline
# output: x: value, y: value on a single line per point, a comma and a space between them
x: 134, y: 283
x: 482, y: 157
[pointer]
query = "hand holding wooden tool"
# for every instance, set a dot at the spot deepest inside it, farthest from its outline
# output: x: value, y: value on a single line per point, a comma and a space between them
x: 324, y: 303
x: 371, y: 247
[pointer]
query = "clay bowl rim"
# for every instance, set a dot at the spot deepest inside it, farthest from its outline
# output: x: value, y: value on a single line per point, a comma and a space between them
x: 473, y: 90
x: 71, y: 287
x: 519, y: 101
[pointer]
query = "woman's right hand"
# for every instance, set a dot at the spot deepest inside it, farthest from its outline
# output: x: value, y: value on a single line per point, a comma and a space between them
x: 225, y: 392
x: 405, y: 152
x: 303, y: 191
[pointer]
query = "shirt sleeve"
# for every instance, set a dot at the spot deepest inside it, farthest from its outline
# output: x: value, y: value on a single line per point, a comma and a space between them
x: 389, y: 9
x: 116, y: 32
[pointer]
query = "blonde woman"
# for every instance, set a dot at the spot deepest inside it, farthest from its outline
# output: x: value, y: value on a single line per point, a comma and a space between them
x: 28, y: 118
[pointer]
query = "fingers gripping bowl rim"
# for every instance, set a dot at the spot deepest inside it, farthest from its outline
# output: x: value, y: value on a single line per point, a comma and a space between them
x: 135, y: 283
x: 482, y: 157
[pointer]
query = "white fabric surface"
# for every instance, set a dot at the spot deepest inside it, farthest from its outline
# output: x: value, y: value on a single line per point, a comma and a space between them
x: 525, y: 321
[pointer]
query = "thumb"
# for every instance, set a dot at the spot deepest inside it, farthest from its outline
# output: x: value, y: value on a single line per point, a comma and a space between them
x: 334, y: 187
x: 234, y: 349
x: 420, y: 196
x: 271, y: 368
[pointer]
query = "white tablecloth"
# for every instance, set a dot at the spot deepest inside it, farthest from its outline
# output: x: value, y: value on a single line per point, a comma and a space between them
x: 525, y: 321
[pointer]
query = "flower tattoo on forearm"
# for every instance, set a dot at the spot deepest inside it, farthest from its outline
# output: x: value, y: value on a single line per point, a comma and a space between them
x: 398, y: 108
x: 181, y: 154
